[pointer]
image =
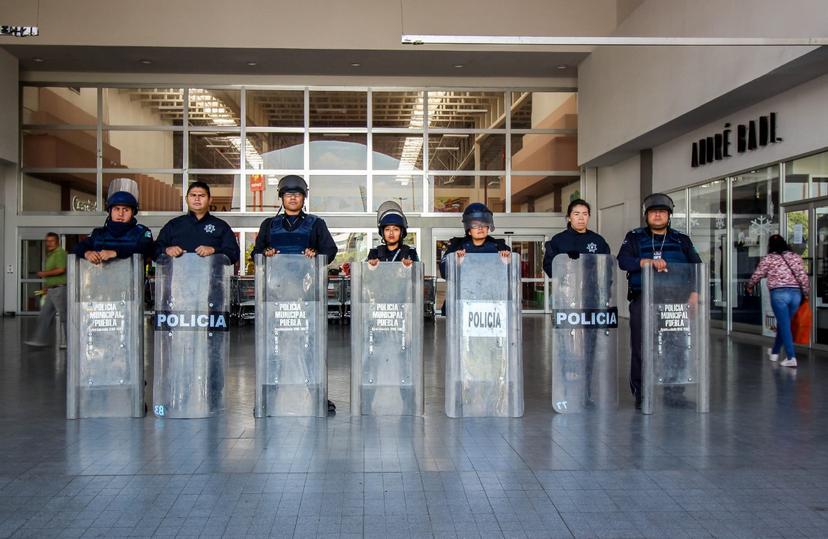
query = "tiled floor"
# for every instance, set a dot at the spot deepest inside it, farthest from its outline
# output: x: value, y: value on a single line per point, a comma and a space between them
x: 756, y: 466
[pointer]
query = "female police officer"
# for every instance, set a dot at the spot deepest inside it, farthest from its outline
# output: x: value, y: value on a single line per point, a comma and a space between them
x: 393, y: 228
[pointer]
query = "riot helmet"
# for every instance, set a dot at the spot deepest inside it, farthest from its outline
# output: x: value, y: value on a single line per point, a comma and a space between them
x: 293, y: 184
x: 478, y: 212
x: 657, y: 201
x: 390, y: 213
x: 123, y: 192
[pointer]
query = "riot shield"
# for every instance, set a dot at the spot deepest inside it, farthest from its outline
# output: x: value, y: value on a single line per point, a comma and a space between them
x: 675, y: 345
x: 105, y: 330
x: 191, y: 323
x: 484, y: 370
x: 387, y: 339
x: 584, y: 335
x: 291, y: 336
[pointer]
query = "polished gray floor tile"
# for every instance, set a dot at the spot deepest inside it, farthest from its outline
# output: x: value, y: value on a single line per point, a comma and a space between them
x: 756, y: 466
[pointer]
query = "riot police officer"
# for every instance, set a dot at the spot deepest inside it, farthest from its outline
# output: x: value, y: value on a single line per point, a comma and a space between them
x: 121, y: 236
x: 393, y: 228
x: 655, y: 245
x: 478, y: 221
x: 577, y: 239
x: 294, y: 231
x: 198, y: 231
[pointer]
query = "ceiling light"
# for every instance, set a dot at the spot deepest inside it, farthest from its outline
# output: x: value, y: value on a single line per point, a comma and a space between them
x: 145, y: 61
x: 455, y: 135
x: 336, y: 135
x: 562, y: 67
x: 355, y: 64
x: 38, y: 60
x: 459, y: 66
x: 251, y: 64
x: 448, y: 148
x: 331, y: 111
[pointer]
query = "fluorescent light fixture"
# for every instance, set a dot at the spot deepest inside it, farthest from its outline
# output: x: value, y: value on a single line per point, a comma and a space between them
x: 455, y: 135
x: 448, y: 148
x: 334, y: 111
x: 470, y: 111
x: 336, y: 135
x: 630, y: 41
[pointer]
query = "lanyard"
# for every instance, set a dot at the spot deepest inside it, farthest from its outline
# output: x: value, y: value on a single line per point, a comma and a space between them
x: 657, y: 254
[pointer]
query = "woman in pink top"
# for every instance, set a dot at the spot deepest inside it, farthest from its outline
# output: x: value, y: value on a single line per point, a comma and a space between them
x: 788, y: 282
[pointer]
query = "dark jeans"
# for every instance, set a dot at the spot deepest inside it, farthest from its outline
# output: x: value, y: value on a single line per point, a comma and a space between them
x: 635, y: 346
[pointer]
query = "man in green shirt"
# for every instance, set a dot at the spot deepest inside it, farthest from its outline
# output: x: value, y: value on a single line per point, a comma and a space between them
x: 54, y: 284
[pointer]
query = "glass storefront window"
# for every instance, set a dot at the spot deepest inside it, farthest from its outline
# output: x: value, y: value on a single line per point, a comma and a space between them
x: 214, y: 108
x: 708, y: 230
x: 329, y: 193
x: 143, y: 106
x: 544, y: 110
x: 755, y: 208
x: 275, y: 151
x: 451, y: 194
x: 215, y: 149
x: 275, y: 108
x: 403, y: 188
x: 60, y: 106
x: 352, y: 247
x: 142, y: 149
x: 224, y: 190
x: 338, y: 151
x: 397, y: 152
x: 467, y: 151
x: 157, y: 192
x: 401, y: 110
x: 466, y: 109
x: 807, y: 175
x: 679, y: 218
x: 59, y: 149
x: 54, y: 192
x: 338, y: 109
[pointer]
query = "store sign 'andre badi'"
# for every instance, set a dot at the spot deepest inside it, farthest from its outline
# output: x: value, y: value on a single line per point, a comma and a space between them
x: 749, y: 136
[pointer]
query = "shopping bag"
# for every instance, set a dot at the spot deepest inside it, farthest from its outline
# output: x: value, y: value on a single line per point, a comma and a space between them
x: 801, y: 323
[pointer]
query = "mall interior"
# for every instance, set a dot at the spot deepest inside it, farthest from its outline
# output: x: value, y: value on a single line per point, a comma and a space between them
x: 169, y: 93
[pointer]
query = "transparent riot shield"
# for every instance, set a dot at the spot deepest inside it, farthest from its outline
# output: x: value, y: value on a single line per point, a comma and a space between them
x: 484, y: 370
x: 291, y: 336
x: 584, y: 335
x: 191, y: 323
x: 105, y: 349
x: 675, y: 345
x: 387, y: 339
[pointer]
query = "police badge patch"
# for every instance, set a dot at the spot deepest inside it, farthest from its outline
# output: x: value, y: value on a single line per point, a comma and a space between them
x: 592, y: 248
x: 209, y: 228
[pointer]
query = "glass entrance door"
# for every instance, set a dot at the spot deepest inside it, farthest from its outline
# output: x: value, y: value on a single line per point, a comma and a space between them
x: 820, y: 275
x: 532, y: 278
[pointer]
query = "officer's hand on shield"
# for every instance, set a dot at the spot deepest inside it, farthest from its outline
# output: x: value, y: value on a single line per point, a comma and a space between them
x: 693, y: 301
x: 107, y: 254
x: 203, y: 250
x: 93, y: 257
x: 374, y: 262
x: 310, y: 253
x: 174, y: 251
x: 407, y: 262
x: 574, y: 255
x: 505, y: 256
x: 270, y: 251
x: 459, y: 254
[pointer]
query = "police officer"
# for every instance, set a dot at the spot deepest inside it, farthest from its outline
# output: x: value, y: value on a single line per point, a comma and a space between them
x: 655, y: 245
x: 198, y: 231
x: 393, y: 228
x: 121, y: 236
x: 294, y: 231
x: 577, y: 239
x: 478, y: 221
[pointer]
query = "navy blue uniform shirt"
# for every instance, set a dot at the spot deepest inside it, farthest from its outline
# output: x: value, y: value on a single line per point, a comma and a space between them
x: 642, y: 243
x: 126, y: 239
x: 586, y: 243
x: 490, y: 245
x: 384, y: 254
x: 316, y: 237
x: 188, y: 232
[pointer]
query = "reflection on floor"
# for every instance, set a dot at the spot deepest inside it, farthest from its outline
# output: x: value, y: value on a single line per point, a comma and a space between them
x: 756, y: 466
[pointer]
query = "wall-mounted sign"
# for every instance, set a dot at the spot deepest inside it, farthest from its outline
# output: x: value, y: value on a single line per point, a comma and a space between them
x: 19, y: 31
x: 83, y: 204
x: 749, y: 136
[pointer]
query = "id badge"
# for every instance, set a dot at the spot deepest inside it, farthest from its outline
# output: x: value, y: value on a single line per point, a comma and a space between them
x: 656, y: 255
